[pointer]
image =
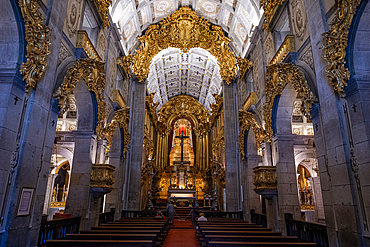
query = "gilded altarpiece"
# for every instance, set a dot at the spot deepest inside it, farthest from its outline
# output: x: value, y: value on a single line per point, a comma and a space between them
x: 183, y: 127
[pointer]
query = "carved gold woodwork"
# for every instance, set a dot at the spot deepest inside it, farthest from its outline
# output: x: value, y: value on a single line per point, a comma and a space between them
x: 244, y: 64
x: 247, y: 120
x: 184, y: 30
x: 335, y: 43
x: 58, y: 204
x: 264, y: 178
x: 251, y: 100
x: 121, y: 118
x: 102, y: 176
x: 117, y: 97
x: 93, y: 73
x: 182, y: 105
x: 125, y: 62
x: 103, y: 9
x: 84, y: 42
x: 287, y: 46
x: 218, y: 143
x: 38, y: 43
x: 270, y: 7
x: 277, y: 77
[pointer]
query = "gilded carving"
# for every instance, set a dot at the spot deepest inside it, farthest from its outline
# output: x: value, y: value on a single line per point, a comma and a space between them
x: 244, y: 64
x: 335, y: 43
x: 264, y: 178
x: 277, y: 77
x: 93, y: 73
x: 38, y: 43
x: 103, y: 8
x: 246, y: 121
x: 270, y: 7
x: 184, y: 30
x: 121, y: 118
x: 182, y: 105
x: 125, y: 62
x: 102, y: 176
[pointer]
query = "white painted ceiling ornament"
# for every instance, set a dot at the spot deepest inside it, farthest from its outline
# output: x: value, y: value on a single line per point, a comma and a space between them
x: 194, y: 73
x: 237, y: 17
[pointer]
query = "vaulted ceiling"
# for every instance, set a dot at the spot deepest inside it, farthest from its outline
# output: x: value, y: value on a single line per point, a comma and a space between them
x: 196, y: 72
x: 236, y: 17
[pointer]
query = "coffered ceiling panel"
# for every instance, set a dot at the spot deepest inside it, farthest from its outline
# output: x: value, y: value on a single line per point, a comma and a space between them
x: 237, y: 17
x: 194, y: 73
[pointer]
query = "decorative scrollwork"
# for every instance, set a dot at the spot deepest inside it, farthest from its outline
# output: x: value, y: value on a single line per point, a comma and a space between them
x: 38, y: 43
x: 102, y: 176
x: 125, y: 62
x: 103, y: 8
x: 183, y: 105
x: 264, y: 178
x: 121, y: 118
x: 93, y: 73
x: 244, y: 64
x: 277, y: 77
x: 247, y: 120
x: 270, y: 7
x: 335, y: 43
x: 184, y: 30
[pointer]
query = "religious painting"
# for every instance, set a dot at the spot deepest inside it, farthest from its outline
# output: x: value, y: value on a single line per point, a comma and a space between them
x: 25, y: 201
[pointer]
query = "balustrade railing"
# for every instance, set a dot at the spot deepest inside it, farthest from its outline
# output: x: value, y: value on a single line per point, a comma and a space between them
x: 107, y: 216
x: 84, y: 42
x: 307, y: 231
x: 259, y: 219
x: 217, y: 214
x: 287, y: 46
x: 56, y: 229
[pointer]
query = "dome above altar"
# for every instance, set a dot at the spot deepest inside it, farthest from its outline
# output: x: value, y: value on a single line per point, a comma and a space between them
x: 237, y: 18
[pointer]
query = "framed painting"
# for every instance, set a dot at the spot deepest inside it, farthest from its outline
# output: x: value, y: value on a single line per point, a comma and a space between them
x: 25, y: 201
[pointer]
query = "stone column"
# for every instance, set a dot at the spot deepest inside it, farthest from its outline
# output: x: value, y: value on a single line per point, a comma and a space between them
x: 79, y: 188
x: 283, y: 159
x: 114, y: 198
x: 251, y: 198
x: 341, y: 204
x: 232, y: 173
x: 134, y: 159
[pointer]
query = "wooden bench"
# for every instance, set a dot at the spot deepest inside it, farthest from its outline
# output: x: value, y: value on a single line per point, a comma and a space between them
x: 99, y: 243
x: 107, y: 236
x: 239, y: 238
x: 232, y: 226
x: 243, y: 233
x: 258, y: 244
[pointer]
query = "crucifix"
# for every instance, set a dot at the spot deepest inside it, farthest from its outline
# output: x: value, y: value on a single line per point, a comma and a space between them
x: 182, y: 137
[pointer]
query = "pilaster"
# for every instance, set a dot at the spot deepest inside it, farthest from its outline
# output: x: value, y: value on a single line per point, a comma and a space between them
x: 232, y: 176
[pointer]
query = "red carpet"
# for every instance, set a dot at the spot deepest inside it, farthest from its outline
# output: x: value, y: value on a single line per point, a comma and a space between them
x: 182, y: 234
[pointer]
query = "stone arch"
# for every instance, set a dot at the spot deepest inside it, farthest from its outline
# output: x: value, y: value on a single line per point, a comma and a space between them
x: 282, y: 120
x: 93, y: 73
x: 358, y: 45
x: 13, y: 39
x: 278, y: 76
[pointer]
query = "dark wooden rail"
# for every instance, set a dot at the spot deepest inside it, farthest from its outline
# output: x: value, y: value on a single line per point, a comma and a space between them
x: 143, y: 213
x: 259, y: 219
x: 56, y: 229
x: 107, y: 217
x: 307, y: 231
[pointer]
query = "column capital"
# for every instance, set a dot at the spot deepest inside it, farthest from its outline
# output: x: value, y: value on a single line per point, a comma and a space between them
x: 283, y: 137
x: 83, y: 134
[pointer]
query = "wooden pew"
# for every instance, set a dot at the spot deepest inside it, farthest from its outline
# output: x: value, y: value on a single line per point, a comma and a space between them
x: 108, y: 236
x: 239, y: 238
x: 241, y: 233
x: 99, y: 243
x: 258, y: 244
